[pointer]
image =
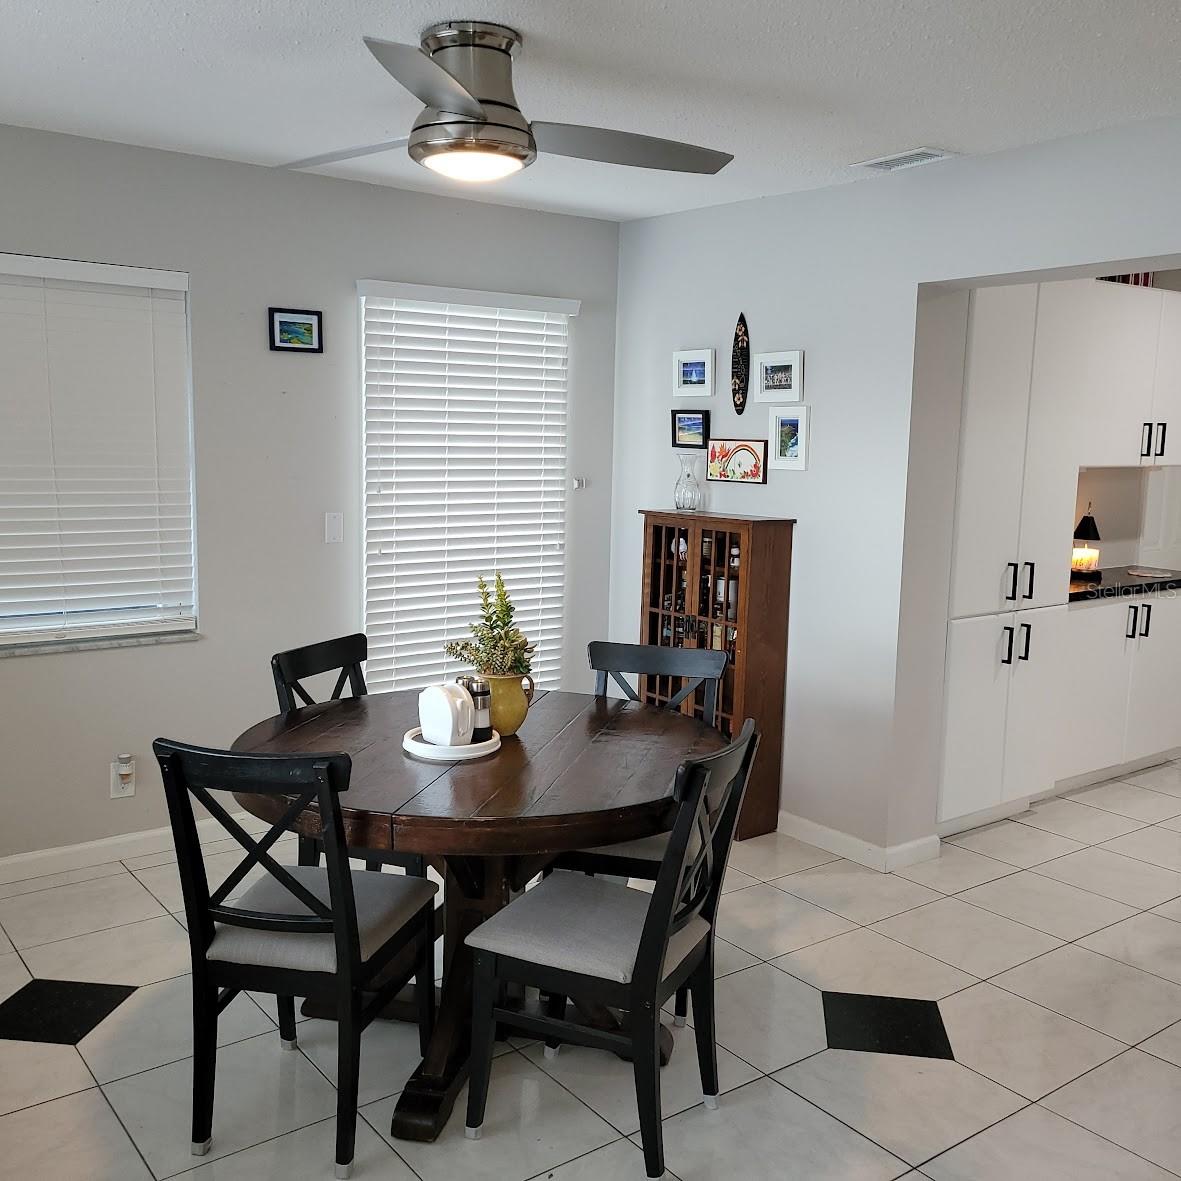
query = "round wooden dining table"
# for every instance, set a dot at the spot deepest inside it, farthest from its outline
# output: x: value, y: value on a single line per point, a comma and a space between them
x: 583, y: 771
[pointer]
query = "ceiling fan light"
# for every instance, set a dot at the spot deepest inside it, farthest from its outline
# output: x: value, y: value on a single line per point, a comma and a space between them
x: 474, y: 165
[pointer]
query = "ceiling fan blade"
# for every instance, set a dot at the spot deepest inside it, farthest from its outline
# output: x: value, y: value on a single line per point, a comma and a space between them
x: 347, y: 154
x: 624, y: 147
x: 424, y: 78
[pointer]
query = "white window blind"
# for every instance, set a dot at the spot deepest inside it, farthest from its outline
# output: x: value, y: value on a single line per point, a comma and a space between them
x: 465, y: 474
x: 96, y: 507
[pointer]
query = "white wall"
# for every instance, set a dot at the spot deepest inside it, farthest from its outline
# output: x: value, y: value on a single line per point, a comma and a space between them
x: 836, y: 272
x: 277, y: 437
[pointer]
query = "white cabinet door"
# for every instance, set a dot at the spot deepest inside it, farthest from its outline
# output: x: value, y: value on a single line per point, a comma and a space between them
x: 1094, y: 367
x: 997, y: 373
x: 1096, y: 673
x: 1090, y: 405
x: 1035, y: 729
x: 1154, y: 711
x: 976, y: 694
x: 1166, y: 392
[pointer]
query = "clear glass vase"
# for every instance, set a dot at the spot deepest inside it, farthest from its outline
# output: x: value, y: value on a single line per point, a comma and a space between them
x: 687, y: 491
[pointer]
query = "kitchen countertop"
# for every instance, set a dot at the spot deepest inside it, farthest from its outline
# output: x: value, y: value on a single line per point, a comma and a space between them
x: 1117, y: 582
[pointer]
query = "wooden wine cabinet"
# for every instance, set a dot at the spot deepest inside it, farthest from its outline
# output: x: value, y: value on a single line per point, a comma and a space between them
x: 716, y: 580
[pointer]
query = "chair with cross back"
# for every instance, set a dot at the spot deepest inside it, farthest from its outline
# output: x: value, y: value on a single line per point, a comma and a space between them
x: 344, y: 656
x: 688, y: 670
x: 605, y: 944
x: 351, y: 940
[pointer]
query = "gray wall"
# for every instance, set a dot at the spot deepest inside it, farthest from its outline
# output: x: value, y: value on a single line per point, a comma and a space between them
x: 836, y: 273
x: 277, y: 437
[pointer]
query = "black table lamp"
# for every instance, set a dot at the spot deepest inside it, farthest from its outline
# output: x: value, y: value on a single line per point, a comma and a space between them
x: 1084, y: 558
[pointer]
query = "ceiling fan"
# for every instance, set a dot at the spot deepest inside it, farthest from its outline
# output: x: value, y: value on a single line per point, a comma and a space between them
x: 471, y: 128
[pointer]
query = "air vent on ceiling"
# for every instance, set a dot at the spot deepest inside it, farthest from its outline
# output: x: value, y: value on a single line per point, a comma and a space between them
x: 909, y: 159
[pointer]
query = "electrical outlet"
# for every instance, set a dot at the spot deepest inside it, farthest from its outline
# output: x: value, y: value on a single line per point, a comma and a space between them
x: 333, y: 528
x: 122, y: 777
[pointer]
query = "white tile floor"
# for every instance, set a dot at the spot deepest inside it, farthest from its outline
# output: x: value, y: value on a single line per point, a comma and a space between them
x: 1052, y: 944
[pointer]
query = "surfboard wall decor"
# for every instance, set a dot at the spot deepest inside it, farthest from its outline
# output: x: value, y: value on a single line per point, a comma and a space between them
x: 740, y: 365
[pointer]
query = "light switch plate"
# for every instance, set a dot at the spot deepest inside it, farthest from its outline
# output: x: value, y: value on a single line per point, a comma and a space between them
x: 333, y: 528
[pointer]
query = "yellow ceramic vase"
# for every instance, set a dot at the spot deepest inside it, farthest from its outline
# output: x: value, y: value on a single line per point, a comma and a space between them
x: 510, y: 702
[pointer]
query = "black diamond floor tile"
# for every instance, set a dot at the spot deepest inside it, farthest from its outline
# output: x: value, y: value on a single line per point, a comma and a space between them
x: 885, y: 1025
x: 59, y: 1011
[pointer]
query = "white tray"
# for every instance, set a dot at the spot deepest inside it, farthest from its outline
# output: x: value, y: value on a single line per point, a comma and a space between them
x: 414, y: 744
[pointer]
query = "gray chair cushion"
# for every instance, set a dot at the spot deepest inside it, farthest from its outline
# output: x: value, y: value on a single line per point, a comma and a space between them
x: 645, y: 849
x: 385, y: 903
x: 581, y: 924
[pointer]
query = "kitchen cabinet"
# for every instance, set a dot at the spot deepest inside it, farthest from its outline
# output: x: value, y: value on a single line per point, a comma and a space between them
x: 976, y: 696
x: 1057, y: 376
x: 1094, y: 370
x: 1094, y: 680
x: 1036, y: 697
x: 997, y: 368
x: 1035, y: 724
x: 1004, y: 731
x: 1154, y: 718
x: 1166, y: 389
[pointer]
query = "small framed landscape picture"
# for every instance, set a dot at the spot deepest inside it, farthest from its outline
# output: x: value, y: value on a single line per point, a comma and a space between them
x: 693, y: 373
x: 788, y: 431
x: 293, y: 331
x: 690, y: 428
x: 737, y: 461
x: 779, y: 377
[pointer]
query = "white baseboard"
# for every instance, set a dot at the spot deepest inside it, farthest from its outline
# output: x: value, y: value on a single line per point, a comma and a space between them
x: 41, y: 862
x: 879, y: 857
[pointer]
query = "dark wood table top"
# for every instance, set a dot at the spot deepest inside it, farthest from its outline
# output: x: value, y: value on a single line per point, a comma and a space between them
x: 582, y: 771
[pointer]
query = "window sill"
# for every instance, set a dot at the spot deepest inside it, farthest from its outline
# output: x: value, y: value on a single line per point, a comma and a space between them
x: 51, y: 647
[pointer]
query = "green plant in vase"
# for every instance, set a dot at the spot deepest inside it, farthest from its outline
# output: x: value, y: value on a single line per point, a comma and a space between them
x: 501, y: 654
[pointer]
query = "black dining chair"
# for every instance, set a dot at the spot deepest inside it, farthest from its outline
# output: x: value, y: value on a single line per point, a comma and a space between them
x: 343, y: 655
x: 297, y: 931
x: 604, y: 943
x: 690, y: 667
x: 695, y: 666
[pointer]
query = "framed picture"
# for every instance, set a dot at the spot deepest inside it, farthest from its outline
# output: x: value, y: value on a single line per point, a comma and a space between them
x: 737, y: 461
x: 690, y: 428
x: 693, y: 373
x: 788, y: 431
x: 778, y: 377
x: 293, y: 331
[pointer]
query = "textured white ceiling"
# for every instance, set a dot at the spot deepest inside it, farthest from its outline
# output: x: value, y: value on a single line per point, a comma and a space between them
x: 796, y: 89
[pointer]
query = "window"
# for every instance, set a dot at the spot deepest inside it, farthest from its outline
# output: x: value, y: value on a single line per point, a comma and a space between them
x: 465, y: 472
x: 96, y: 506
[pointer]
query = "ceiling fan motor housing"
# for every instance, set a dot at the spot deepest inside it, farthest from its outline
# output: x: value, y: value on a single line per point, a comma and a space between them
x: 480, y: 55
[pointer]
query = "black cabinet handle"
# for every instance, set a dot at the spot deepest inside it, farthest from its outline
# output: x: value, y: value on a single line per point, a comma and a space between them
x: 1008, y: 656
x: 1161, y: 428
x: 1011, y: 597
x: 1030, y: 566
x: 1132, y: 618
x: 1146, y: 620
x: 1028, y: 630
x: 1146, y: 440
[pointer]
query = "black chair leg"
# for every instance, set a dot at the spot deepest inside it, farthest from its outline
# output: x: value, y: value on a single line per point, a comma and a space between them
x: 555, y: 1006
x: 681, y: 1007
x: 287, y: 1034
x: 702, y: 985
x: 348, y: 1070
x: 424, y: 982
x: 204, y: 1065
x: 309, y: 851
x: 645, y: 1033
x: 484, y: 989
